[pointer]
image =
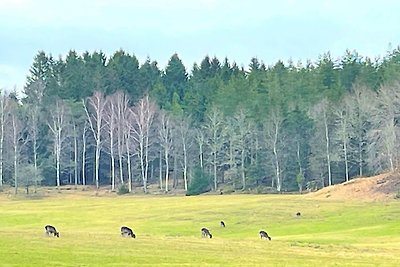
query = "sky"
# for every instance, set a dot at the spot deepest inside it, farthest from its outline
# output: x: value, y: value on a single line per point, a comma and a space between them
x: 236, y: 29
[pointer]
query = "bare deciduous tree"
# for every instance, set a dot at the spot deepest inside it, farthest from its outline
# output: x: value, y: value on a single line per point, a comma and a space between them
x: 273, y: 137
x: 4, y: 106
x: 18, y: 137
x: 110, y: 126
x: 129, y: 143
x: 214, y: 128
x: 97, y: 104
x: 342, y: 131
x: 383, y: 137
x: 143, y: 115
x: 244, y: 128
x: 183, y: 129
x: 84, y: 148
x: 231, y: 153
x: 361, y: 103
x: 57, y: 123
x: 164, y: 131
x: 321, y: 115
x: 122, y: 113
x: 200, y: 139
x: 37, y: 88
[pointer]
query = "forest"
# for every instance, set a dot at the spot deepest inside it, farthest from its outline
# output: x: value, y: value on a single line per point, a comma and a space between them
x: 110, y: 121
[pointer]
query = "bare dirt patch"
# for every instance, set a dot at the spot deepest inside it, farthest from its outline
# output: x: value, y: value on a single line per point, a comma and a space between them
x: 381, y: 187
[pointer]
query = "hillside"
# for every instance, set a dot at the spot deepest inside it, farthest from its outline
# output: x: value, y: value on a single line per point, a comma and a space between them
x: 381, y: 187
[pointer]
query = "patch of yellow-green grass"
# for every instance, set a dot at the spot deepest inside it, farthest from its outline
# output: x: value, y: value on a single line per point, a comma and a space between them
x: 328, y: 233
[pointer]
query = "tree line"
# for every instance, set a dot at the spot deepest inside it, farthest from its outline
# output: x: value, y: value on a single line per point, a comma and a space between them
x: 89, y: 119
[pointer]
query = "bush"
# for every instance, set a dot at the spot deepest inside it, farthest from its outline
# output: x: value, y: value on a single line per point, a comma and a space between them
x: 228, y: 189
x: 300, y: 179
x: 123, y: 189
x: 200, y: 183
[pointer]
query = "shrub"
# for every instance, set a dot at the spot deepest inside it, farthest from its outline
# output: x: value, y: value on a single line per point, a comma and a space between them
x: 300, y: 179
x: 123, y: 189
x: 228, y: 189
x: 200, y: 183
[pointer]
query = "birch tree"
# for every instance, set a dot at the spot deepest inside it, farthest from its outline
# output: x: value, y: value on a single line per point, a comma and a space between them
x: 165, y: 137
x: 78, y: 123
x: 85, y: 128
x: 143, y: 116
x: 96, y: 104
x: 36, y: 90
x: 200, y: 139
x: 231, y: 151
x: 183, y: 130
x: 342, y: 132
x: 273, y: 137
x: 110, y: 127
x: 57, y: 124
x: 33, y: 129
x: 384, y: 135
x: 243, y: 128
x: 122, y: 113
x: 322, y: 117
x: 214, y: 129
x: 4, y: 109
x: 129, y: 143
x: 18, y: 138
x: 361, y: 104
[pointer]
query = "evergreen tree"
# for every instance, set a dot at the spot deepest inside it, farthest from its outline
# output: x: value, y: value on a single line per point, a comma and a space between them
x: 72, y: 77
x: 326, y: 72
x: 94, y: 73
x: 175, y: 78
x: 351, y: 65
x: 39, y: 71
x: 150, y: 75
x: 123, y: 75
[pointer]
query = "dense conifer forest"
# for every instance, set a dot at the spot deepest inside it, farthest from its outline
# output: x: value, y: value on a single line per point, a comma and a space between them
x: 287, y: 126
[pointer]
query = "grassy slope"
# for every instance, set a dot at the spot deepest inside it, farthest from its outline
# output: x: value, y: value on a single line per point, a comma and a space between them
x: 329, y: 233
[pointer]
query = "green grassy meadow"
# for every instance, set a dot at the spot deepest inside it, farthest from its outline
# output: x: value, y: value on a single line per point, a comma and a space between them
x: 329, y: 233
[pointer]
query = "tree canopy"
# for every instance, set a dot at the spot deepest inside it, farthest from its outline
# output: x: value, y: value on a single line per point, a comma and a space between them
x: 274, y: 125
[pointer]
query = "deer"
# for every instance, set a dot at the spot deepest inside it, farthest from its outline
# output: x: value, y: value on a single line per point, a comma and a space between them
x: 51, y: 230
x: 222, y: 224
x: 264, y: 234
x: 126, y: 231
x: 205, y: 233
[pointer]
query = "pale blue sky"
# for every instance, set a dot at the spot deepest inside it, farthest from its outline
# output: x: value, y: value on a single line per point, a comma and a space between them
x: 239, y: 30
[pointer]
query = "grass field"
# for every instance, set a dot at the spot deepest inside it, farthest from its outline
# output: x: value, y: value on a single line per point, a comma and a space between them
x: 329, y: 233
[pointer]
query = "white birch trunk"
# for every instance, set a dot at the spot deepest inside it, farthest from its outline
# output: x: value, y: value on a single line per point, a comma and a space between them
x: 328, y: 159
x: 3, y: 105
x: 128, y: 154
x: 84, y: 156
x: 161, y: 169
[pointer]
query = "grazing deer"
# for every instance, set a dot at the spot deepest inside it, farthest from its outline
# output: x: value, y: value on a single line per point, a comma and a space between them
x: 126, y: 231
x: 264, y: 234
x: 205, y: 233
x: 298, y: 214
x: 222, y: 224
x: 51, y: 230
